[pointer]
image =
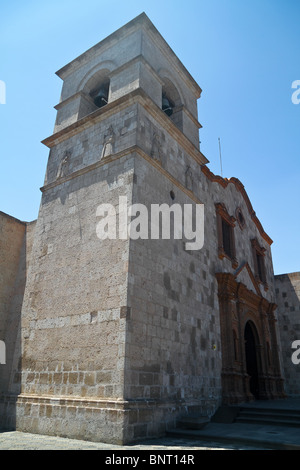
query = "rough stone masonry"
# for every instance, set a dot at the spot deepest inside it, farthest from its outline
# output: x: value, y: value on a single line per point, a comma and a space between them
x: 114, y: 340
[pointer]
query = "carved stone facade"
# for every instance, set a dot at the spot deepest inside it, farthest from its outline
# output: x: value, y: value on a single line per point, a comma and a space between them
x: 247, y: 374
x: 115, y: 339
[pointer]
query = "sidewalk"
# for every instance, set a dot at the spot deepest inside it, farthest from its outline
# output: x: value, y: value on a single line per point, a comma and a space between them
x: 24, y: 441
x: 257, y: 436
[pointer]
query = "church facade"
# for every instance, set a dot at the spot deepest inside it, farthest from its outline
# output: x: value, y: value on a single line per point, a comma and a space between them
x: 114, y: 337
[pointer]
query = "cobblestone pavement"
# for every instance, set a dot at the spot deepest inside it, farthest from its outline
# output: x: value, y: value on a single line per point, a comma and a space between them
x: 24, y: 441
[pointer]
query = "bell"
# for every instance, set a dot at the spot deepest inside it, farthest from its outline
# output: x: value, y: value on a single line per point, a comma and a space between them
x: 166, y: 106
x: 101, y: 97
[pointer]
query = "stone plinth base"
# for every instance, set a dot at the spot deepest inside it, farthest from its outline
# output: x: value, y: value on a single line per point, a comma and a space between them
x: 110, y: 421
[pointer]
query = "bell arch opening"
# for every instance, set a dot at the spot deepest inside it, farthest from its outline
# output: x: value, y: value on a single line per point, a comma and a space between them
x: 172, y: 102
x: 95, y: 93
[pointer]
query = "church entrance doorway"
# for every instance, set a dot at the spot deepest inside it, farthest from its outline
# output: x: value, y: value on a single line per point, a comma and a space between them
x: 250, y: 362
x: 251, y: 349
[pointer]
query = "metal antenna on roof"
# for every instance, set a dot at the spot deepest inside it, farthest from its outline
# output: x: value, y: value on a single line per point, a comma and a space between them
x: 220, y: 157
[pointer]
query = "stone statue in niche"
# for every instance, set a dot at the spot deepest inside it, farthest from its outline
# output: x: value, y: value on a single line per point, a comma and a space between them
x: 108, y: 143
x: 189, y: 181
x: 64, y: 165
x: 156, y: 150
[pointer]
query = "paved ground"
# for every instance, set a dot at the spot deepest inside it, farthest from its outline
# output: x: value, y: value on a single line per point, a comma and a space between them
x: 257, y: 436
x: 24, y: 441
x: 215, y: 436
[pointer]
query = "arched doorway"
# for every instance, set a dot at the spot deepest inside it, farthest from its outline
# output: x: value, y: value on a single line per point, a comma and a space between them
x: 247, y: 325
x: 251, y: 341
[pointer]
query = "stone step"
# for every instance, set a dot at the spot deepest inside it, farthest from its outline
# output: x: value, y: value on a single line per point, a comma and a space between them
x: 265, y: 427
x: 269, y: 413
x: 273, y: 421
x: 273, y: 411
x: 278, y: 417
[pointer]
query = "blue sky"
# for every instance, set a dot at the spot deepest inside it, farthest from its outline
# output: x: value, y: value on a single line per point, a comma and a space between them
x: 244, y: 55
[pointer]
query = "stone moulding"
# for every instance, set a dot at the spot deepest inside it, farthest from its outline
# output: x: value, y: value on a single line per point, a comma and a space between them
x: 122, y: 32
x: 238, y: 307
x: 224, y: 182
x: 251, y: 275
x: 131, y: 150
x: 96, y: 403
x: 88, y: 417
x: 136, y: 96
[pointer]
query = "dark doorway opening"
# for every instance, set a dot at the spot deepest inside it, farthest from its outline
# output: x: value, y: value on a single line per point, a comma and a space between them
x: 251, y: 358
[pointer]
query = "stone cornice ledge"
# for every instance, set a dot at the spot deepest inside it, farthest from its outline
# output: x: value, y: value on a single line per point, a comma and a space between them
x: 86, y: 169
x: 224, y: 182
x: 114, y: 404
x: 131, y: 150
x: 136, y: 96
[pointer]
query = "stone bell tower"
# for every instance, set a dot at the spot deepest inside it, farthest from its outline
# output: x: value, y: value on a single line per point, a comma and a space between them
x: 105, y: 341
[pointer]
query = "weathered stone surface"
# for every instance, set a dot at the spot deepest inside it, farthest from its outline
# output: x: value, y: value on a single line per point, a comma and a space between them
x: 288, y: 300
x: 114, y: 339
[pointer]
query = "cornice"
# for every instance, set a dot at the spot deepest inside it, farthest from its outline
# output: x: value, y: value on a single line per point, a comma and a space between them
x: 224, y: 182
x: 251, y: 275
x: 71, y: 98
x: 137, y: 96
x: 223, y: 212
x: 131, y: 150
x: 136, y: 60
x: 228, y: 284
x: 188, y: 113
x: 100, y: 47
x: 141, y: 22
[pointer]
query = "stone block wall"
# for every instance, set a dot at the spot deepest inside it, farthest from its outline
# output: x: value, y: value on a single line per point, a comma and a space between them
x: 173, y: 348
x: 118, y: 338
x: 12, y: 240
x: 288, y: 301
x: 12, y: 233
x: 15, y: 253
x: 173, y: 356
x: 72, y: 312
